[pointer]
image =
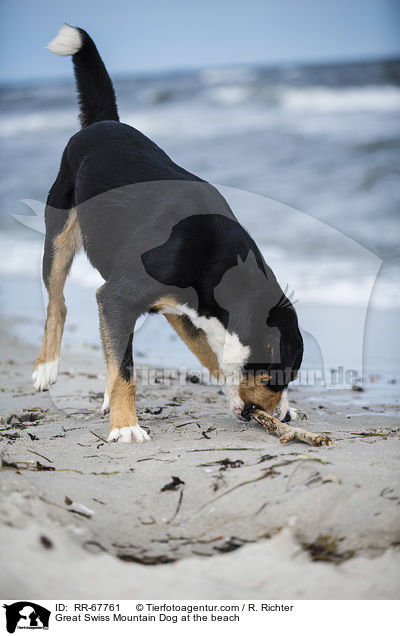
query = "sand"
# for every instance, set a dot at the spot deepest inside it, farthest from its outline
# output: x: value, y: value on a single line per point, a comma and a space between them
x: 253, y: 518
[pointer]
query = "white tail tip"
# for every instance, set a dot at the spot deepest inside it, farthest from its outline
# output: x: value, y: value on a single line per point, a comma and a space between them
x: 67, y: 41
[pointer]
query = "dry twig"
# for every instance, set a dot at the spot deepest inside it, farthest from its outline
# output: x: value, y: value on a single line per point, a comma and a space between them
x: 287, y: 433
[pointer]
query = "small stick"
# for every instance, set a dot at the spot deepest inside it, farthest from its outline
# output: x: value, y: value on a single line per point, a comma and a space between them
x: 206, y: 450
x: 288, y: 433
x: 39, y: 455
x: 177, y: 508
x: 98, y: 437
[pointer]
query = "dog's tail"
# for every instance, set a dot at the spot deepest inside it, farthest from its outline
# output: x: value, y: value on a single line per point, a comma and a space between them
x: 96, y: 92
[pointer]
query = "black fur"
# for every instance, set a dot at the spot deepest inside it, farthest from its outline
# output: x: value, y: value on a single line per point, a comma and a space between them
x: 153, y: 229
x: 96, y: 92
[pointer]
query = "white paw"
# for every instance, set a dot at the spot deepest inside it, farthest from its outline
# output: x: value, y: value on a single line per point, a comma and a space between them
x: 106, y: 402
x: 45, y: 375
x: 128, y: 434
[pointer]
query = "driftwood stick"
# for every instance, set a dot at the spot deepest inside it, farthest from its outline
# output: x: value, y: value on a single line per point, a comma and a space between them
x: 287, y: 433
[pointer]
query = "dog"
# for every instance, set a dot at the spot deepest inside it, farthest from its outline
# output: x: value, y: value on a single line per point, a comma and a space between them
x: 164, y: 241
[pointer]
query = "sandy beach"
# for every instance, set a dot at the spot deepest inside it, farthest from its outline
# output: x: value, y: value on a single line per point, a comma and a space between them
x: 211, y: 508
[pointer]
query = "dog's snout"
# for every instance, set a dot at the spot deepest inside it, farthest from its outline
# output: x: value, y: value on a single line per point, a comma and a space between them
x: 247, y: 410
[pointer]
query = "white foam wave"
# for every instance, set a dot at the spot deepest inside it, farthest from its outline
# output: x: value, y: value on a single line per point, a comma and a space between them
x: 20, y: 257
x: 311, y: 284
x: 177, y: 121
x: 24, y: 257
x: 212, y: 76
x: 248, y: 109
x: 367, y: 98
x: 37, y: 123
x: 231, y: 95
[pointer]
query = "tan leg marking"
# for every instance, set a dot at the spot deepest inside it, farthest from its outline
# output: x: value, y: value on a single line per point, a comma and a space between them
x: 124, y: 425
x: 192, y: 336
x: 122, y: 399
x: 65, y: 246
x: 197, y: 342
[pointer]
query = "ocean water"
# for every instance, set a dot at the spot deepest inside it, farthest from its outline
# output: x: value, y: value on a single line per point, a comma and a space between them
x: 307, y: 156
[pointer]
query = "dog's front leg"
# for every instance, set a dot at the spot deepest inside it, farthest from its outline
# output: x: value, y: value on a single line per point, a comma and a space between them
x: 286, y: 413
x: 105, y: 407
x: 117, y: 321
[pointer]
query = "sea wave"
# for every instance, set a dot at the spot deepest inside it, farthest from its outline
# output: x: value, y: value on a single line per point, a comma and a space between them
x: 310, y: 283
x: 212, y: 76
x: 31, y: 123
x: 250, y: 106
x: 367, y: 98
x: 24, y: 259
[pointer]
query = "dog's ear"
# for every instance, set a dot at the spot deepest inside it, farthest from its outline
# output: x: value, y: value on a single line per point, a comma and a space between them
x: 246, y: 274
x: 292, y: 354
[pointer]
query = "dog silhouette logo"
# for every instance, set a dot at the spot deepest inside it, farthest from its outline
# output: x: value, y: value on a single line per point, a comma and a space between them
x: 26, y: 615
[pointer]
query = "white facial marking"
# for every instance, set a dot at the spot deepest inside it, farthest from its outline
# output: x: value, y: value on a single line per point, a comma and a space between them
x: 128, y: 434
x: 45, y: 375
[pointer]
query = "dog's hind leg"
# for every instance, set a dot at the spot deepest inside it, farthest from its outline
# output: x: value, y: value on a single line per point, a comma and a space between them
x: 117, y: 323
x: 63, y: 239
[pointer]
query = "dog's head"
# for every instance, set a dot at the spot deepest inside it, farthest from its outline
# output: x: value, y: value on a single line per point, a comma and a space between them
x: 254, y: 391
x: 276, y: 356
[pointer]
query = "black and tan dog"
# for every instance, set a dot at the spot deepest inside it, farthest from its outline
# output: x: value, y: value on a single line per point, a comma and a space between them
x: 164, y: 241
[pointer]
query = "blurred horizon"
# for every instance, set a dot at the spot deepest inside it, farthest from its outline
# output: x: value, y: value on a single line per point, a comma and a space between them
x: 120, y: 76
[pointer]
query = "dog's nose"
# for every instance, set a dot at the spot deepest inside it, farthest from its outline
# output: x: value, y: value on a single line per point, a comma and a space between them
x: 247, y: 410
x: 287, y: 417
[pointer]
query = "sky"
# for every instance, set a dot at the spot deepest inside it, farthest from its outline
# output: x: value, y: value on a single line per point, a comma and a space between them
x: 143, y: 36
